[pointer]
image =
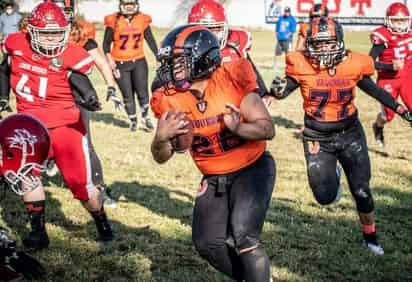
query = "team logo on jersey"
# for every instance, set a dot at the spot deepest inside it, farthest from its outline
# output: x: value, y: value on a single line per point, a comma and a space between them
x: 56, y: 63
x: 201, y: 106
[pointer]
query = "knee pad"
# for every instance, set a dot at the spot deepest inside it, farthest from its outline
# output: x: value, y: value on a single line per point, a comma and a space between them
x: 324, y: 195
x: 363, y: 199
x: 256, y: 265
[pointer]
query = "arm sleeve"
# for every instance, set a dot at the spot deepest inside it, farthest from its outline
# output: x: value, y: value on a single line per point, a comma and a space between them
x: 291, y: 85
x: 156, y: 83
x: 369, y: 87
x: 4, y: 79
x: 259, y: 79
x: 151, y: 41
x: 83, y: 85
x: 375, y: 52
x: 107, y: 39
x: 90, y: 44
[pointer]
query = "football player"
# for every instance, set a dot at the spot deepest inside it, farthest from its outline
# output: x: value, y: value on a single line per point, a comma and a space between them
x: 230, y: 127
x: 83, y: 33
x: 327, y: 75
x: 234, y: 43
x: 318, y: 10
x: 39, y: 65
x: 392, y: 52
x: 126, y: 30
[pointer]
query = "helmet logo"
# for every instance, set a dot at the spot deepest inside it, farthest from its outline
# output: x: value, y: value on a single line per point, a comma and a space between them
x: 24, y: 141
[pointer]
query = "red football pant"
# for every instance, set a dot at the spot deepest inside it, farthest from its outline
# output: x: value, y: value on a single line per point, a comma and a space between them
x: 397, y: 87
x: 69, y: 149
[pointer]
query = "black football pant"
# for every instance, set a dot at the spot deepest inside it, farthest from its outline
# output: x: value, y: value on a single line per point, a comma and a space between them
x: 133, y: 81
x: 350, y: 149
x: 228, y: 218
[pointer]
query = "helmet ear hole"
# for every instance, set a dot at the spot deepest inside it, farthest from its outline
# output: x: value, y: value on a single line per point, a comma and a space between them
x: 9, y: 155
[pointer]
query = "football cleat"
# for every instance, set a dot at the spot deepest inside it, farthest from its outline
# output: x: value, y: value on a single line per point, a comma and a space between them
x: 108, y: 200
x: 133, y: 126
x: 374, y: 247
x: 378, y: 133
x: 147, y: 124
x: 36, y: 240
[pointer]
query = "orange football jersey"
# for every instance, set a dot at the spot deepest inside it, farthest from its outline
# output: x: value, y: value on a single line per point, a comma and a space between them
x: 86, y: 31
x: 128, y: 36
x: 303, y: 29
x: 215, y: 149
x: 327, y: 96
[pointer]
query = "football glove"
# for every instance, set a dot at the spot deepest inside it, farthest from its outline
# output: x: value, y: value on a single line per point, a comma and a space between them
x: 92, y: 104
x: 277, y: 87
x: 111, y: 95
x: 404, y: 113
x: 17, y: 260
x: 4, y: 106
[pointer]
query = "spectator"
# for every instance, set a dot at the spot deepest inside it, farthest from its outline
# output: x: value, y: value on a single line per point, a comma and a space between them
x: 9, y: 19
x: 285, y: 28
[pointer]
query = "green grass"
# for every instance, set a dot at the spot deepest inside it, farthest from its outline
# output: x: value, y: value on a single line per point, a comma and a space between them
x: 305, y: 242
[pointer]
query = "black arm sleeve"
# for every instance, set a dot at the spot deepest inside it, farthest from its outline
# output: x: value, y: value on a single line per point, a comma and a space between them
x: 151, y: 41
x: 90, y: 44
x: 107, y: 39
x: 156, y: 83
x: 291, y: 85
x: 259, y: 79
x: 82, y: 85
x: 373, y: 90
x: 375, y: 52
x: 5, y: 79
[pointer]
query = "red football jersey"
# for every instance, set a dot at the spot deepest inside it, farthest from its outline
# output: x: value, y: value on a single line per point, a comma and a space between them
x: 41, y: 84
x: 238, y: 44
x: 398, y: 46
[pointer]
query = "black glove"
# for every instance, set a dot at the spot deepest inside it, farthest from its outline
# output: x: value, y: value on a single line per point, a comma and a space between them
x: 404, y: 113
x: 18, y: 261
x: 277, y: 87
x: 4, y: 106
x: 92, y: 104
x: 111, y: 95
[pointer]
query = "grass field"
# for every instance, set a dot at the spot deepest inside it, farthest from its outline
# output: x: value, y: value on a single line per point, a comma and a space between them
x: 305, y: 242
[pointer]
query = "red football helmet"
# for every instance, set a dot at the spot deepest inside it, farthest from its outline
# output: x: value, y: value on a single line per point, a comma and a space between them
x: 24, y: 147
x: 398, y: 19
x: 210, y: 14
x: 67, y: 6
x: 49, y: 30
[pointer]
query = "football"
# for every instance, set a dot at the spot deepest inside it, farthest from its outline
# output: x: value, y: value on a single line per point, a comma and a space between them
x: 182, y: 142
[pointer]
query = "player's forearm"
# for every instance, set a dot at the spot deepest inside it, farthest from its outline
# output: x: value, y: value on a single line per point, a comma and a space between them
x: 375, y: 52
x: 107, y: 40
x: 262, y: 129
x: 4, y: 79
x: 161, y: 150
x: 373, y: 90
x: 151, y: 41
x: 103, y: 67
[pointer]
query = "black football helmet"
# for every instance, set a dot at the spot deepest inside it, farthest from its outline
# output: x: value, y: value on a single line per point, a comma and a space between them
x: 128, y: 11
x: 324, y: 42
x: 318, y: 10
x: 67, y: 6
x: 188, y: 53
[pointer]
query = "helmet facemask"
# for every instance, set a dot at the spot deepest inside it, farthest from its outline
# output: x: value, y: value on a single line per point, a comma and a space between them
x: 49, y: 41
x: 398, y: 24
x: 129, y: 7
x: 220, y: 29
x: 325, y: 50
